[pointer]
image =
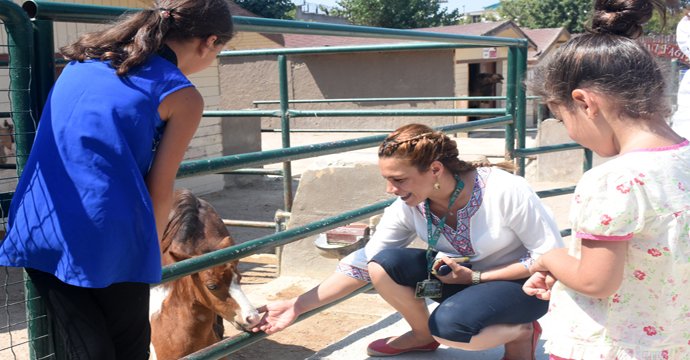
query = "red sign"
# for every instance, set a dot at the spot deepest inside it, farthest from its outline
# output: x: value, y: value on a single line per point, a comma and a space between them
x: 667, y: 51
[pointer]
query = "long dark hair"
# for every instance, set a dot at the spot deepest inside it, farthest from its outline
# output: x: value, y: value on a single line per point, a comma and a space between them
x: 608, y: 60
x: 421, y: 145
x: 130, y: 41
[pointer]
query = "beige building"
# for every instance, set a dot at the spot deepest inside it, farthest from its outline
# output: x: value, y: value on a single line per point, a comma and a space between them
x: 419, y: 73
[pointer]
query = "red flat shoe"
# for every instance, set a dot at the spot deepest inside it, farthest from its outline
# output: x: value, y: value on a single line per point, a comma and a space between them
x: 381, y: 348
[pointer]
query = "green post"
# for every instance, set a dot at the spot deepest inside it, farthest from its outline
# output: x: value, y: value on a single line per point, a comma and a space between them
x: 510, y: 103
x: 520, y: 105
x: 285, y: 130
x: 588, y: 161
x: 24, y: 111
x: 44, y: 61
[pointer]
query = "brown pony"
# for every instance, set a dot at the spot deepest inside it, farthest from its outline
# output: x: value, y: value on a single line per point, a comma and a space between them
x: 484, y: 84
x: 184, y: 313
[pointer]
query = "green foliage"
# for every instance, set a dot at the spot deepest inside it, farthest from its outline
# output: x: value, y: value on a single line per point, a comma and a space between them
x: 536, y: 14
x: 398, y: 14
x: 274, y: 9
x: 574, y: 14
x: 673, y: 16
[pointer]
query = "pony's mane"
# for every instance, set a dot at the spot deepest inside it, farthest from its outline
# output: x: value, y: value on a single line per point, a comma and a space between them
x: 184, y: 223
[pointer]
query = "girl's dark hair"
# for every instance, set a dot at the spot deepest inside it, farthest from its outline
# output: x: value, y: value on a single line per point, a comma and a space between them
x: 608, y: 60
x: 130, y: 41
x: 421, y: 145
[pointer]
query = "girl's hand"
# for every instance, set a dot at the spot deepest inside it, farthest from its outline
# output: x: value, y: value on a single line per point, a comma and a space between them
x: 539, y: 285
x: 278, y: 315
x: 459, y: 274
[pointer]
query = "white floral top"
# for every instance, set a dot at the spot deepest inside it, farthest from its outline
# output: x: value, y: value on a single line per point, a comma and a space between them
x: 642, y: 197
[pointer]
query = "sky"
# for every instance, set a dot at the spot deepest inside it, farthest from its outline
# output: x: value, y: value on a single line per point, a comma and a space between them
x: 469, y: 5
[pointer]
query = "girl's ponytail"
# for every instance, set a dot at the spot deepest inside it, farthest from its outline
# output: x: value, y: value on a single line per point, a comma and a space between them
x: 130, y: 41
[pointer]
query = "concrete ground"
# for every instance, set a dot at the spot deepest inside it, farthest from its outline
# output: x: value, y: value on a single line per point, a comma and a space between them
x: 344, y: 330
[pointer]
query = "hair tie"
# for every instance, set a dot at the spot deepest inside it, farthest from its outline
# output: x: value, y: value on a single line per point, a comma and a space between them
x: 166, y: 13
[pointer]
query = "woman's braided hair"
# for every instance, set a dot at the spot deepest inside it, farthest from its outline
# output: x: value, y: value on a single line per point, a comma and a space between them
x: 421, y: 145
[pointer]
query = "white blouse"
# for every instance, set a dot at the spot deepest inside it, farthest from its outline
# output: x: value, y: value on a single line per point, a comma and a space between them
x: 504, y: 222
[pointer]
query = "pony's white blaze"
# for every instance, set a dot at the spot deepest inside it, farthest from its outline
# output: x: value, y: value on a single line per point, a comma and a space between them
x: 249, y: 313
x: 156, y: 298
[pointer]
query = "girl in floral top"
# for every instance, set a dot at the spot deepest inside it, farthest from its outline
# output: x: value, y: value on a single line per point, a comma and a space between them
x: 622, y: 288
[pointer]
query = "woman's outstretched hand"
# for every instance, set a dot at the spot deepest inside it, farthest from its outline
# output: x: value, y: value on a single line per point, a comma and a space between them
x: 539, y: 285
x: 277, y: 316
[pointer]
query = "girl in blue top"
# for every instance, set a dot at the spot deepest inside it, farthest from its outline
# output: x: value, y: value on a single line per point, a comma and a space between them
x: 97, y: 188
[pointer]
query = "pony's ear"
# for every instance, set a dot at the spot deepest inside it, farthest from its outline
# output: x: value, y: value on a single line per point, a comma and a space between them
x: 226, y: 242
x: 178, y: 253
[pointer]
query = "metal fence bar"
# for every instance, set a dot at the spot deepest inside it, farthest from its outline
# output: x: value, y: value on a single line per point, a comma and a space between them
x: 391, y: 99
x: 46, y: 10
x: 232, y: 162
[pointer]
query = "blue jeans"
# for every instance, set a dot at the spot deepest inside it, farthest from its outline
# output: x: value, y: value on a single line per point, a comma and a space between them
x: 463, y: 310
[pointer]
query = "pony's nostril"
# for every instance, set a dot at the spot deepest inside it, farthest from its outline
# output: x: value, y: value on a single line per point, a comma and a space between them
x: 253, y: 319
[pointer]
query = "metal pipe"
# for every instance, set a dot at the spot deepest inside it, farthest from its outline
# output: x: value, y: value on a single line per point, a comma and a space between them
x: 241, y: 113
x: 547, y: 149
x: 392, y: 99
x: 346, y: 49
x: 285, y: 130
x: 556, y: 192
x: 20, y: 50
x: 195, y: 264
x: 510, y: 103
x: 276, y: 172
x: 396, y: 112
x: 231, y: 162
x: 248, y: 223
x: 44, y: 64
x: 65, y: 12
x: 520, y: 109
x: 21, y: 54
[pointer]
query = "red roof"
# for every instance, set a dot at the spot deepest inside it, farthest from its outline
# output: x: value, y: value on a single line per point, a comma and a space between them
x: 543, y: 38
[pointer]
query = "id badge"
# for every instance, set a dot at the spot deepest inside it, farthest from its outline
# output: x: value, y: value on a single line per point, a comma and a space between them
x: 430, y: 288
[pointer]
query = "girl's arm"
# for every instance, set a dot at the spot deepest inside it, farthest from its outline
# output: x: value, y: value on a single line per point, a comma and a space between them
x: 598, y: 273
x: 182, y: 110
x: 463, y: 275
x: 280, y: 314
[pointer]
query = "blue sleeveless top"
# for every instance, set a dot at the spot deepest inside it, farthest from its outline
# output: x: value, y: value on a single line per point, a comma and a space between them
x: 81, y: 210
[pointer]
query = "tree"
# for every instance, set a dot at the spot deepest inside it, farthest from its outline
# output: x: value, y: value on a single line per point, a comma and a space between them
x: 673, y: 16
x: 398, y: 14
x: 536, y: 14
x: 274, y: 9
x: 575, y: 14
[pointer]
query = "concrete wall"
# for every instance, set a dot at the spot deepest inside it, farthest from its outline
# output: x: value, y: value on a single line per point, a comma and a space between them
x: 565, y: 166
x: 330, y: 76
x: 327, y: 189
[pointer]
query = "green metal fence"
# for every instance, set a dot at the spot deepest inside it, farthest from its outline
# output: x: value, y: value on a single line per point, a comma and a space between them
x: 22, y: 326
x: 511, y: 117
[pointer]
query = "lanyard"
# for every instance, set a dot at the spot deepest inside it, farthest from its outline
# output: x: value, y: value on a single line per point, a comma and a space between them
x: 434, y: 235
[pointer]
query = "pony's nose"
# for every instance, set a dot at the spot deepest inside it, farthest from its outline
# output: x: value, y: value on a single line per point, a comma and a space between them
x: 252, y: 319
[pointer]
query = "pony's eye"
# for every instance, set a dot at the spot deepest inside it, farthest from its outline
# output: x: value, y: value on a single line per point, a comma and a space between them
x: 212, y: 286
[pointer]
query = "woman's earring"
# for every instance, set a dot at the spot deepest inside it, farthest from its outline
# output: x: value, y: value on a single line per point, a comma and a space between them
x: 437, y: 186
